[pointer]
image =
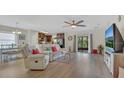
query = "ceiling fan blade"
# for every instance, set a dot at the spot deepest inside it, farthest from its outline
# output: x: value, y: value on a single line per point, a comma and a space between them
x: 81, y: 25
x: 67, y: 22
x: 67, y: 26
x: 79, y: 22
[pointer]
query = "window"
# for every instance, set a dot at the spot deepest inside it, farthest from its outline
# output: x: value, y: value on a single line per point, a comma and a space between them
x: 6, y: 38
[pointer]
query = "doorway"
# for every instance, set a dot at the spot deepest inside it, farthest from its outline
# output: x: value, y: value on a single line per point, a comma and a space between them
x: 83, y: 44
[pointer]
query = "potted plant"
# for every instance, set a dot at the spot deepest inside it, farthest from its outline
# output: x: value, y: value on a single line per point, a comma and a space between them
x: 100, y: 49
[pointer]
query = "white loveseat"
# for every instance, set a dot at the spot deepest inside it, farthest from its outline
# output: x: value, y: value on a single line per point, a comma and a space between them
x: 46, y: 48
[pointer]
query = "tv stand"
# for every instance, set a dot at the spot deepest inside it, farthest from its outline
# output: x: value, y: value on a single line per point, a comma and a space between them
x: 109, y: 60
x: 112, y: 61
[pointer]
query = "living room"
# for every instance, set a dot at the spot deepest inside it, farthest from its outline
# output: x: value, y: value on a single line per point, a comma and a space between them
x: 61, y: 40
x: 53, y: 46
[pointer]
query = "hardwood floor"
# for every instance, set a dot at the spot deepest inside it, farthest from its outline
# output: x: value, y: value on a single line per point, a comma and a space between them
x: 81, y: 65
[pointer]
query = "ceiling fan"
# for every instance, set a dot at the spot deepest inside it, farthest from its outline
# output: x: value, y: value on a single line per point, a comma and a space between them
x: 74, y: 24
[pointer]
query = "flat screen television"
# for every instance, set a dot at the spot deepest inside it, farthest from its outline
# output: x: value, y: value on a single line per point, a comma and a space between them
x: 109, y: 39
x: 113, y: 39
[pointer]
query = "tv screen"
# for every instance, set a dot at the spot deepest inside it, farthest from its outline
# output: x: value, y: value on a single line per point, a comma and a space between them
x: 109, y: 38
x: 113, y: 40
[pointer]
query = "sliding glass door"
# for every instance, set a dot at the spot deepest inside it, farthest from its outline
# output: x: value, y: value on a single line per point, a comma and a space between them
x: 82, y: 43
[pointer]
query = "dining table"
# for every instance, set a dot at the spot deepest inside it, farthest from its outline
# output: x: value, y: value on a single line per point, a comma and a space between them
x: 5, y: 52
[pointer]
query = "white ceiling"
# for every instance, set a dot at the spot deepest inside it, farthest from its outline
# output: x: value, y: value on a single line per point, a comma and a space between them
x: 55, y: 23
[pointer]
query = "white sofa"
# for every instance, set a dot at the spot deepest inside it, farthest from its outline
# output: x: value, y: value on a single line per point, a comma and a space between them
x: 35, y: 62
x: 46, y: 48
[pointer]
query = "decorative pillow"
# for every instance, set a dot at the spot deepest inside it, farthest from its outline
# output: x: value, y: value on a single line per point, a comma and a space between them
x: 35, y: 51
x: 54, y: 49
x: 39, y: 48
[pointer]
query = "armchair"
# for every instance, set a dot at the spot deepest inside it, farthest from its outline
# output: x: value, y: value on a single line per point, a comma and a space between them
x: 36, y: 61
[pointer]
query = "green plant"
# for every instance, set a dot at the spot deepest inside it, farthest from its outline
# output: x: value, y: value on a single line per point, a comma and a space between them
x: 100, y: 48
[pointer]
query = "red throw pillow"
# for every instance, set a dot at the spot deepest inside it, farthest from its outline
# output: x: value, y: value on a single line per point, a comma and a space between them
x: 94, y: 51
x: 54, y: 49
x: 35, y: 51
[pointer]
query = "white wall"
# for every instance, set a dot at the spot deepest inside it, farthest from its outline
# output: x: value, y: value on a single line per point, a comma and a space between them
x: 98, y: 37
x: 67, y: 42
x: 32, y: 37
x: 120, y: 26
x: 99, y: 34
x: 77, y: 33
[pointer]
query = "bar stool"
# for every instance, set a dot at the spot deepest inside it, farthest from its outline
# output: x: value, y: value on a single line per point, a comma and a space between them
x: 67, y: 55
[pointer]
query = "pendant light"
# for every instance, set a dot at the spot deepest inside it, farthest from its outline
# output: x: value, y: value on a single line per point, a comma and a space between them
x: 16, y: 29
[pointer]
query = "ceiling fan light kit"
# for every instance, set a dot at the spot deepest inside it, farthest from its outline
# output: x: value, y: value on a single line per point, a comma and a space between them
x: 74, y: 24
